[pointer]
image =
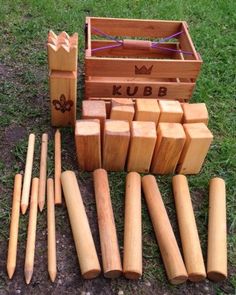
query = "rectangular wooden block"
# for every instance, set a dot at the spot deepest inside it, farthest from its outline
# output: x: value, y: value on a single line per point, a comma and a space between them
x: 171, y: 111
x: 92, y: 109
x: 147, y: 110
x: 198, y: 141
x: 142, y: 144
x: 195, y: 113
x: 63, y: 94
x: 170, y: 142
x: 122, y: 109
x: 115, y: 144
x: 88, y: 144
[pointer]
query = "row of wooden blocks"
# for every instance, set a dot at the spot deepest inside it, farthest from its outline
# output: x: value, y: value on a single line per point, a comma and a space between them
x: 157, y: 111
x: 141, y: 147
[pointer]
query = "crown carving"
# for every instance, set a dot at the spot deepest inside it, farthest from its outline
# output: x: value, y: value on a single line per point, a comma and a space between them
x: 62, y: 51
x: 143, y: 70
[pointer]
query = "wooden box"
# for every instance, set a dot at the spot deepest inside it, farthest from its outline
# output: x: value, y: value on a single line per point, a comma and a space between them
x: 129, y: 58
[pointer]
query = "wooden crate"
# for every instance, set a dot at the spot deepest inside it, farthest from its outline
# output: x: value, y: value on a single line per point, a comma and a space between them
x: 134, y: 65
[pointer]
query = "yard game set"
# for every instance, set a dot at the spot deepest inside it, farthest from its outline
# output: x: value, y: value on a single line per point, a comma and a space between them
x: 136, y: 117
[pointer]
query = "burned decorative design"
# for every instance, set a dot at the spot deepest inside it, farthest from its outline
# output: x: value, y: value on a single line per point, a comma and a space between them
x: 62, y: 104
x: 143, y: 70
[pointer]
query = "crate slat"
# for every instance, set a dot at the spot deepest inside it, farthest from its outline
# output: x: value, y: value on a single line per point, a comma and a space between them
x: 165, y: 90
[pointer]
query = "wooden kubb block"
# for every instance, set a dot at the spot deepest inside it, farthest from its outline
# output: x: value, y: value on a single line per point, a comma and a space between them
x: 142, y: 144
x: 88, y: 144
x: 115, y: 144
x: 195, y: 113
x: 198, y: 141
x: 92, y: 109
x: 147, y: 110
x: 62, y: 61
x: 171, y: 111
x: 170, y: 142
x: 122, y: 109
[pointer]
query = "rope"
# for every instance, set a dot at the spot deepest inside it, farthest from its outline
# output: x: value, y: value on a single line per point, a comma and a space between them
x: 154, y: 45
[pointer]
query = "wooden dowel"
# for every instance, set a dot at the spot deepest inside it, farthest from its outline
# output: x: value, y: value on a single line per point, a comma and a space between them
x: 43, y: 171
x: 108, y: 239
x: 217, y: 231
x: 137, y: 44
x: 31, y: 234
x: 132, y: 267
x: 170, y: 252
x: 27, y: 174
x: 188, y: 230
x: 13, y: 236
x: 52, y: 256
x: 87, y: 255
x: 58, y: 192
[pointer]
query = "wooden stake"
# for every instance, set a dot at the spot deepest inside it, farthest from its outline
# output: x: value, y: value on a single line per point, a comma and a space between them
x: 28, y: 173
x: 52, y: 256
x: 188, y: 230
x: 108, y: 239
x: 58, y: 192
x: 217, y: 231
x: 87, y: 255
x: 43, y: 171
x: 171, y: 255
x: 133, y: 227
x: 115, y: 144
x: 13, y: 236
x: 31, y: 234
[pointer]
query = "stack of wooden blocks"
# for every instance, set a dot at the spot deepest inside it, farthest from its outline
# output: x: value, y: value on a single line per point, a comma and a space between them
x: 146, y: 135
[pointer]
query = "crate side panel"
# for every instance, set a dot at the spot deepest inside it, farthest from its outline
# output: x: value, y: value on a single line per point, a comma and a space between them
x: 124, y: 67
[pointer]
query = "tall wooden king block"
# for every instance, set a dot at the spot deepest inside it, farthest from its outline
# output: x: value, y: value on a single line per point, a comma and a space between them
x: 142, y: 144
x: 170, y: 143
x: 88, y: 144
x: 62, y: 63
x: 147, y: 110
x: 115, y: 144
x: 195, y: 113
x: 198, y: 141
x: 171, y: 111
x: 122, y: 109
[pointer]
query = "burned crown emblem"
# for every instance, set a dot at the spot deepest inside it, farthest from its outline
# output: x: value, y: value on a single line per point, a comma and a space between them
x: 143, y: 70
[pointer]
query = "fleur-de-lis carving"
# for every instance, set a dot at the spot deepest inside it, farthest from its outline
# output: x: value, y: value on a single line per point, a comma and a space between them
x: 62, y: 104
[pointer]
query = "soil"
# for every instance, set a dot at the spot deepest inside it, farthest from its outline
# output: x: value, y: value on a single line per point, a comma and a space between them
x: 69, y: 280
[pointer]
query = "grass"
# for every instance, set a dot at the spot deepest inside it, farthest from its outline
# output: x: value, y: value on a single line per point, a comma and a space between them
x: 24, y: 102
